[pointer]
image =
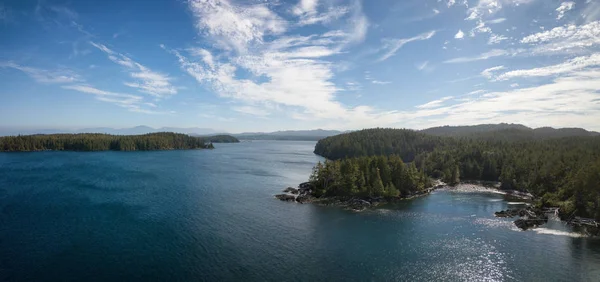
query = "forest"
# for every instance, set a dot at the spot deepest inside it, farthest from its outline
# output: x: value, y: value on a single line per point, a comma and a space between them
x: 221, y: 139
x: 375, y: 176
x: 104, y: 142
x: 559, y: 171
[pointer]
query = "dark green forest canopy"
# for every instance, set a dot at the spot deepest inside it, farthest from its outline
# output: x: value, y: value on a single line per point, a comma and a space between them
x: 561, y: 172
x: 374, y: 176
x: 105, y: 142
x: 222, y: 139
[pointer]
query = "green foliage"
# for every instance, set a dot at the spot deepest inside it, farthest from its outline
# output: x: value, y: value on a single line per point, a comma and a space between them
x: 221, y: 139
x: 559, y: 171
x: 367, y: 176
x: 103, y: 142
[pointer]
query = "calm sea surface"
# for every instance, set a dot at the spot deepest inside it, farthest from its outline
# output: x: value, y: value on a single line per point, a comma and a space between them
x: 210, y: 215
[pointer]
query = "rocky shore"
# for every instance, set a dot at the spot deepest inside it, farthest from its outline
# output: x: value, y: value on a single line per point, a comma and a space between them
x: 533, y: 217
x: 528, y: 217
x: 303, y: 194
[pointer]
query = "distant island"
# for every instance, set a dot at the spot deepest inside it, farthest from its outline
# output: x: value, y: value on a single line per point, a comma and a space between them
x: 107, y: 142
x: 559, y: 167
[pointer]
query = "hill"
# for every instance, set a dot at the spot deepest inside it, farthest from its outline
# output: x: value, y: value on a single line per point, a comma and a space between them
x: 559, y: 171
x: 507, y: 132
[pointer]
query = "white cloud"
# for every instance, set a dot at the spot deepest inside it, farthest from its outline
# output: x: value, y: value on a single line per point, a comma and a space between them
x: 380, y: 82
x: 459, y: 35
x: 480, y: 28
x: 359, y: 24
x: 253, y: 111
x: 565, y: 39
x: 451, y: 3
x: 234, y: 27
x: 44, y: 76
x: 484, y: 56
x: 146, y: 80
x: 332, y: 14
x: 132, y: 103
x: 489, y: 73
x: 496, y: 21
x: 423, y: 65
x: 306, y: 7
x: 566, y: 101
x: 435, y: 103
x: 514, y: 85
x: 486, y: 8
x: 436, y: 11
x: 391, y: 46
x: 496, y: 38
x: 476, y: 92
x: 563, y: 8
x: 569, y: 66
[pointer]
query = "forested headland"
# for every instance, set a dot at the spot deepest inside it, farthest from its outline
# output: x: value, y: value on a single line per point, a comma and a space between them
x: 559, y: 171
x: 106, y: 142
x: 221, y: 139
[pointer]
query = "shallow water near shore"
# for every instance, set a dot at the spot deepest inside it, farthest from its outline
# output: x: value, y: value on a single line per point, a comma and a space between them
x: 211, y: 215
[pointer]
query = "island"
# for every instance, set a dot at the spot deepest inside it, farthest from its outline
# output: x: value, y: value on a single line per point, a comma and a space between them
x: 560, y: 169
x: 107, y: 142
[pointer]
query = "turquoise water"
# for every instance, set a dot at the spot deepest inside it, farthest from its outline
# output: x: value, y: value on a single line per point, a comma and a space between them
x: 210, y: 215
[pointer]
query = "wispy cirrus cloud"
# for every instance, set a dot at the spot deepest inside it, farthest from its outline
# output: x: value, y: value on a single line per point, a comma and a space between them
x: 569, y: 66
x: 434, y: 103
x: 391, y: 46
x: 132, y: 103
x: 489, y: 72
x: 484, y: 56
x: 146, y: 81
x: 45, y: 76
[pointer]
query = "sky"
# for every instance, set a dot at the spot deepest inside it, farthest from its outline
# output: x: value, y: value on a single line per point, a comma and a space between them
x: 258, y: 65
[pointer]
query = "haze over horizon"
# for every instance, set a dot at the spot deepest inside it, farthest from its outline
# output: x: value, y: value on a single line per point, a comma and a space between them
x: 261, y: 66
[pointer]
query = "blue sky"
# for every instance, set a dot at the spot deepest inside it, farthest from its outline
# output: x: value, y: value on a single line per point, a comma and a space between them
x: 251, y: 65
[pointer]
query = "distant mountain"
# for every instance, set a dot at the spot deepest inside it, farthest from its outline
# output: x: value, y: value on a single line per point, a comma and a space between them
x: 507, y: 132
x: 302, y: 135
x: 138, y: 130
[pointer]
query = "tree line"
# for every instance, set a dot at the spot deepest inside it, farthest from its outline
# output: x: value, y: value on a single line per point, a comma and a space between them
x: 562, y: 172
x: 103, y: 142
x: 375, y: 176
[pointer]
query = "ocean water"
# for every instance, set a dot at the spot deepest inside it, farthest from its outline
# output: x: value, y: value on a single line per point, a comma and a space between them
x: 210, y: 215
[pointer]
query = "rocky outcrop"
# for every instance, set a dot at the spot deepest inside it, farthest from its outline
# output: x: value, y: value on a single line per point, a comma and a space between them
x: 529, y: 217
x: 286, y: 197
x: 291, y: 190
x: 305, y: 199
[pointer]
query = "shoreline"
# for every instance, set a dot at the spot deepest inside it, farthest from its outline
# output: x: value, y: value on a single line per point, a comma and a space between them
x: 303, y: 195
